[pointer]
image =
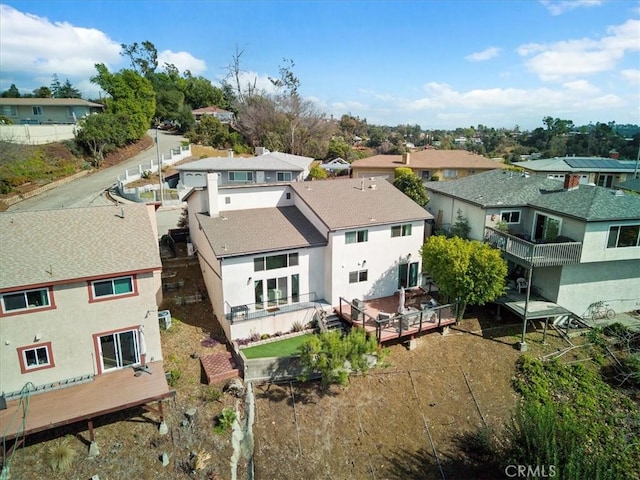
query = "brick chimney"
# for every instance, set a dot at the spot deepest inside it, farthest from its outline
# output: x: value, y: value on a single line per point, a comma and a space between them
x: 406, y: 158
x: 571, y: 182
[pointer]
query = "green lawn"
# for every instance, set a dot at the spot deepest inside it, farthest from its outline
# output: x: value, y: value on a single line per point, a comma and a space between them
x: 282, y: 348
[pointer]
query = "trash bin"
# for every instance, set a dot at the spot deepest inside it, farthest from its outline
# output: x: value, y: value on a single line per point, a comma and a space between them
x: 164, y: 317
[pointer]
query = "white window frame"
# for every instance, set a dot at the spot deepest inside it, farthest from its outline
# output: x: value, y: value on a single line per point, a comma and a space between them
x: 450, y: 173
x: 9, y: 110
x: 26, y: 301
x: 35, y: 348
x: 360, y: 276
x: 231, y: 175
x: 510, y: 214
x: 619, y: 227
x: 403, y: 230
x: 95, y: 296
x: 282, y: 176
x: 37, y: 111
x: 356, y: 236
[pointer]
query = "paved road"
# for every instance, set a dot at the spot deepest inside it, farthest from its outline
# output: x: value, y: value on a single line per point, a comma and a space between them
x: 89, y: 190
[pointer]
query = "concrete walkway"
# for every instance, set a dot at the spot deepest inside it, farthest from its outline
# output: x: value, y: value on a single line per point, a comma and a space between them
x: 631, y: 320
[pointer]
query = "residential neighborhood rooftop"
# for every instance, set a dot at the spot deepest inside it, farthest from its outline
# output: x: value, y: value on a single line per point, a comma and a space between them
x: 349, y: 203
x: 240, y: 232
x: 268, y: 161
x: 46, y: 246
x: 431, y: 159
x: 509, y: 188
x: 43, y: 102
x: 575, y: 164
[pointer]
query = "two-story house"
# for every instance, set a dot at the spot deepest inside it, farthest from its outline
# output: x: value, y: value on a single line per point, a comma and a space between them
x: 604, y: 172
x: 269, y: 167
x: 79, y: 295
x: 580, y: 243
x: 273, y: 255
x: 428, y: 164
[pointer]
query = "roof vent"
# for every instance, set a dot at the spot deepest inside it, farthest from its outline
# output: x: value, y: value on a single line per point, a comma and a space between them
x: 373, y: 186
x: 619, y: 193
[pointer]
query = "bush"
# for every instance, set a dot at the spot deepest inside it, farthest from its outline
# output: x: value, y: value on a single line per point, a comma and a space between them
x: 211, y: 394
x: 317, y: 172
x: 60, y: 455
x: 224, y: 420
x: 174, y: 376
x: 297, y: 326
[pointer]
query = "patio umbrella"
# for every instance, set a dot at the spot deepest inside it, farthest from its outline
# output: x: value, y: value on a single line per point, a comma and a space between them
x: 401, y: 301
x: 142, y: 344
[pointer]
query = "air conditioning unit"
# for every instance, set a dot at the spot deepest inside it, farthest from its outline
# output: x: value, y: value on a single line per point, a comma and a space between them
x: 164, y: 317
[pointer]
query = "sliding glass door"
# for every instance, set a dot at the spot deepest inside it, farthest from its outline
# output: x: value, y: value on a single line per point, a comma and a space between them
x: 119, y: 350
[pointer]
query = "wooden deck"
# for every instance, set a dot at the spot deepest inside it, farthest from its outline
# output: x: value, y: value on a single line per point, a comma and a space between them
x: 417, y: 318
x: 107, y: 393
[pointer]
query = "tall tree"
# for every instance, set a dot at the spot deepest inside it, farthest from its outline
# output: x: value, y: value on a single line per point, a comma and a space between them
x: 12, y: 92
x: 411, y: 185
x: 466, y: 271
x: 42, y: 92
x: 130, y: 95
x: 143, y: 57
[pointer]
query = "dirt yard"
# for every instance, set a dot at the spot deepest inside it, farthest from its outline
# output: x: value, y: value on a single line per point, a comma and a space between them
x: 387, y: 424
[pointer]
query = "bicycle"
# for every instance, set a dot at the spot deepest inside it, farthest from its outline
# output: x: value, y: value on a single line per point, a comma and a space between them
x: 601, y: 310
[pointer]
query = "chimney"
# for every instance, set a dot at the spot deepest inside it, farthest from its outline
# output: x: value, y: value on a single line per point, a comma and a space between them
x: 571, y: 182
x: 230, y: 152
x: 613, y: 154
x: 406, y: 158
x: 212, y: 195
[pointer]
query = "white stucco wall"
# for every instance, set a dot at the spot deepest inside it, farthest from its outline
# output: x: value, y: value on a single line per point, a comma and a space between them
x: 594, y: 248
x: 248, y: 198
x: 70, y: 328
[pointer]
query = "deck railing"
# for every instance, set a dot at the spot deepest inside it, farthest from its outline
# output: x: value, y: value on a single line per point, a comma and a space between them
x: 250, y: 311
x: 535, y: 254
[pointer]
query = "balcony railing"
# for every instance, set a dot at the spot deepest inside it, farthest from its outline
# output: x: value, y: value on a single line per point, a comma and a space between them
x: 535, y: 254
x: 274, y: 306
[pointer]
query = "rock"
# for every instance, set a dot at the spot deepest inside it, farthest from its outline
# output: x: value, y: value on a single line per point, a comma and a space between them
x: 93, y: 450
x: 235, y: 387
x: 191, y: 412
x: 195, y: 355
x: 163, y: 429
x: 184, y: 423
x: 165, y: 459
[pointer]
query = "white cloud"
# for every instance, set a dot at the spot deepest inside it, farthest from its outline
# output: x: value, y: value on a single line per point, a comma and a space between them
x: 558, y: 7
x: 571, y: 58
x: 34, y: 44
x: 581, y: 86
x: 486, y: 54
x: 183, y: 61
x: 632, y: 76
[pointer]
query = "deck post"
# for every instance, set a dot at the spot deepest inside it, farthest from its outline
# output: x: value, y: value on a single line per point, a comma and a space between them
x: 544, y: 335
x: 93, y: 446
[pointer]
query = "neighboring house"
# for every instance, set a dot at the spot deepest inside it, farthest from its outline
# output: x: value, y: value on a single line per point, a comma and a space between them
x: 631, y: 186
x: 336, y: 165
x: 582, y: 242
x: 273, y: 255
x: 604, y: 172
x: 79, y: 293
x: 271, y: 167
x: 224, y: 116
x: 41, y: 111
x: 427, y: 164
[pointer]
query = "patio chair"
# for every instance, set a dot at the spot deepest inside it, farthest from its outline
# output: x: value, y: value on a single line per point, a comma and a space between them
x: 521, y: 284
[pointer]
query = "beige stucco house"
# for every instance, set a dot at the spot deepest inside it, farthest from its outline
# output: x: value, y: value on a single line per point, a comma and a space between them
x: 427, y: 164
x: 79, y: 293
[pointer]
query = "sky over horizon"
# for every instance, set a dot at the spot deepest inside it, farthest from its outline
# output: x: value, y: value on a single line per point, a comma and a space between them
x: 439, y: 64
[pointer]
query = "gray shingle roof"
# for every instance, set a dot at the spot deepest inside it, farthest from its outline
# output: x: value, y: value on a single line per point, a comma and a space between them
x: 239, y: 232
x: 54, y: 102
x: 505, y: 188
x: 270, y: 161
x: 575, y: 164
x: 48, y: 246
x: 348, y: 203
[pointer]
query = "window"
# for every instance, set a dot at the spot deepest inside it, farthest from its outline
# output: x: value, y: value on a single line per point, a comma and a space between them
x: 227, y: 200
x: 357, y: 236
x: 112, y: 287
x: 283, y: 176
x: 241, y: 176
x: 510, y: 216
x: 118, y: 349
x: 275, y: 261
x: 27, y: 300
x: 605, y: 180
x: 449, y: 173
x: 37, y: 111
x: 288, y: 195
x: 9, y: 111
x: 622, y: 236
x: 547, y: 228
x: 425, y: 174
x: 358, y: 276
x: 35, y: 357
x: 401, y: 230
x: 277, y: 291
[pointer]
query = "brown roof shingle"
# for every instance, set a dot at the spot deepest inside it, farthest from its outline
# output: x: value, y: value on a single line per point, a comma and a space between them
x: 429, y: 160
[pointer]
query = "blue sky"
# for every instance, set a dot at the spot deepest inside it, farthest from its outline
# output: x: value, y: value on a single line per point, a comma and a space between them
x: 440, y: 64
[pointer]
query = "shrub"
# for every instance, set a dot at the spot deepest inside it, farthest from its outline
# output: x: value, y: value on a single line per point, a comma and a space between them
x: 209, y: 342
x: 254, y: 336
x: 224, y: 420
x: 60, y: 455
x: 265, y: 336
x: 211, y: 394
x: 174, y: 376
x: 317, y: 172
x: 297, y: 326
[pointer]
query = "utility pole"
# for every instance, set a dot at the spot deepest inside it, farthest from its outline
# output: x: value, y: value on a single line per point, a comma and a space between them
x: 159, y: 166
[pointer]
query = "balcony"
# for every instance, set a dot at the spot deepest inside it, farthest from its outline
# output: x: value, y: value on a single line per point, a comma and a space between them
x: 274, y: 306
x: 534, y: 254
